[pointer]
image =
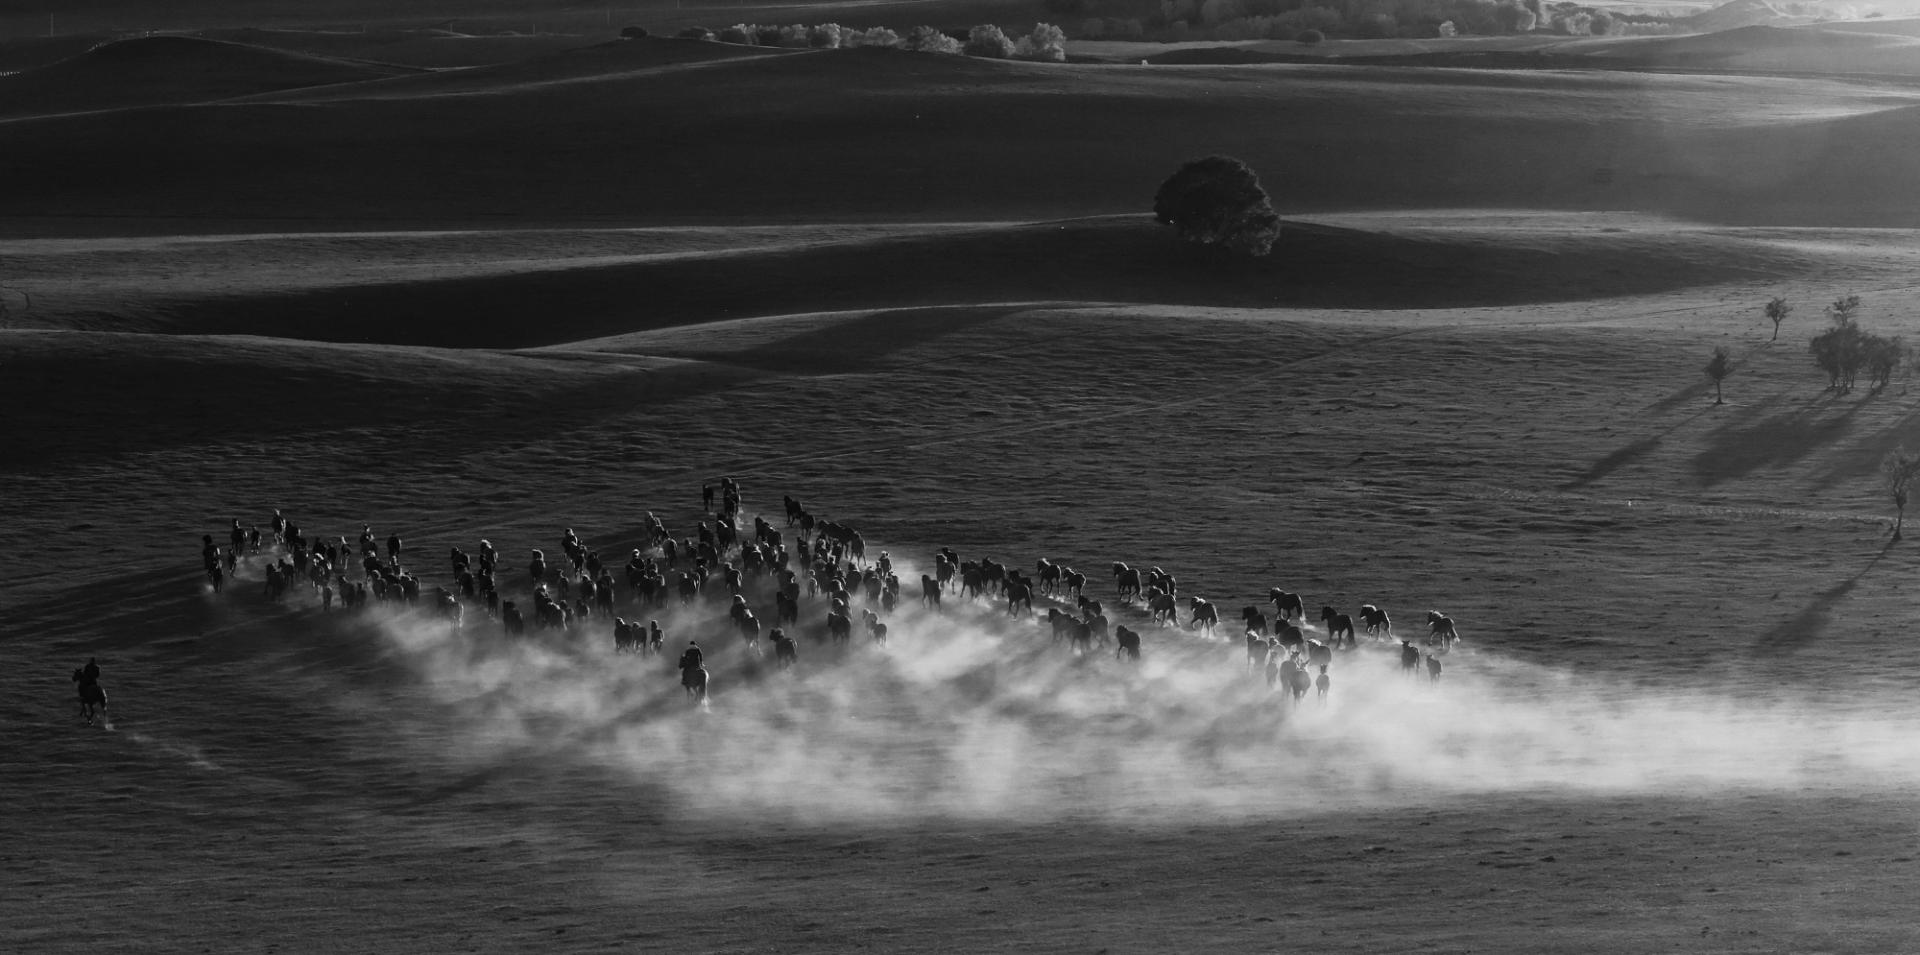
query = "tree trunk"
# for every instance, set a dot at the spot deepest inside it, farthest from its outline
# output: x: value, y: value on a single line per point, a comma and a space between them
x: 1716, y: 391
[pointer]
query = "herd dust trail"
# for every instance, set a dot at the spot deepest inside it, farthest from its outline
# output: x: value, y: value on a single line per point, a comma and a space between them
x: 970, y: 714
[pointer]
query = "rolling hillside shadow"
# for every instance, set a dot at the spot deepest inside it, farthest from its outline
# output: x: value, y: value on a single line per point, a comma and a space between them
x: 68, y: 392
x: 1113, y: 259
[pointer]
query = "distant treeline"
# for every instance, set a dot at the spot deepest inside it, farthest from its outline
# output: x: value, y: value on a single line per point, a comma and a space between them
x: 1375, y: 19
x: 1044, y: 42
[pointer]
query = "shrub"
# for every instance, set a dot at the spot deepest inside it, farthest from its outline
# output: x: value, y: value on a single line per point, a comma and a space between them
x: 875, y: 36
x: 739, y: 33
x: 695, y: 33
x: 1447, y: 29
x: 766, y: 36
x: 930, y: 40
x: 826, y: 36
x: 1603, y: 24
x: 1311, y: 37
x: 1218, y: 202
x: 1047, y: 43
x: 988, y: 41
x: 633, y: 33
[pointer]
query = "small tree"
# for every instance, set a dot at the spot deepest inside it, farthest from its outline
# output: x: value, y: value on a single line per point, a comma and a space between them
x: 1898, y: 469
x: 633, y: 33
x: 1882, y: 357
x: 1311, y: 37
x: 1217, y: 201
x: 1842, y: 309
x: 1718, y: 368
x: 1778, y: 310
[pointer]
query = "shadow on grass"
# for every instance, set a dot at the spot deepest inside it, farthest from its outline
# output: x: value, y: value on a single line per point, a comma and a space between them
x: 1862, y: 460
x: 1626, y: 454
x: 1752, y: 442
x: 1795, y: 631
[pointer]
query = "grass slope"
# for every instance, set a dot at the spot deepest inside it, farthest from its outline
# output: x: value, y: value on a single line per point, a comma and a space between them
x: 170, y: 70
x: 878, y: 134
x: 1118, y: 259
x: 1554, y: 476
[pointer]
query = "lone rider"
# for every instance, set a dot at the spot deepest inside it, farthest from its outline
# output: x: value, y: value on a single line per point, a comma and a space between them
x: 692, y: 658
x: 89, y: 673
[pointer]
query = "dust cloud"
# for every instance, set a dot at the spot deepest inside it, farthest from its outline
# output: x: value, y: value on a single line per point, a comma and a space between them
x: 970, y: 714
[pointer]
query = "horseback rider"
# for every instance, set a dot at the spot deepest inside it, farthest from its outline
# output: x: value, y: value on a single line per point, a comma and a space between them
x: 692, y: 658
x: 88, y: 674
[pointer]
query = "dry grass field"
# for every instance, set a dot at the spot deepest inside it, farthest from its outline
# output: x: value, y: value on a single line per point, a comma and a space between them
x: 922, y: 295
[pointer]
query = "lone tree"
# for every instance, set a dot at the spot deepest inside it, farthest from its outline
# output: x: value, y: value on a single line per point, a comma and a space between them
x: 1718, y: 368
x: 1899, y: 468
x: 1778, y: 310
x: 1217, y: 201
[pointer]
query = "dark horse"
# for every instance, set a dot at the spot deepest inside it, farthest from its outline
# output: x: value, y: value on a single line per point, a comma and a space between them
x: 694, y: 678
x: 1339, y: 626
x: 91, y: 695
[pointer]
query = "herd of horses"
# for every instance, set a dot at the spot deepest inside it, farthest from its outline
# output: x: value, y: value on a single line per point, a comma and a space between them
x: 752, y: 561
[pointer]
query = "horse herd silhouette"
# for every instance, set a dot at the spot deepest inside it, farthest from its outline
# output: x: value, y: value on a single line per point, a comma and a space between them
x: 826, y: 559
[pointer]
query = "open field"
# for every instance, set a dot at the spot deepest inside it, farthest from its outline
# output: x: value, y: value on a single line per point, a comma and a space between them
x: 921, y: 295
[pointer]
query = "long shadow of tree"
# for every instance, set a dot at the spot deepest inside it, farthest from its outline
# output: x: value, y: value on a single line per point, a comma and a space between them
x: 1626, y: 454
x: 1746, y: 445
x: 1811, y: 620
x: 1864, y: 457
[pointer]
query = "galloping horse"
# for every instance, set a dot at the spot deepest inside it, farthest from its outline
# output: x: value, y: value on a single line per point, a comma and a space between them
x: 1339, y: 626
x: 1202, y: 615
x: 1049, y: 576
x: 1019, y: 595
x: 1257, y: 649
x: 694, y: 678
x: 1255, y: 620
x: 1377, y: 622
x: 91, y: 695
x: 1129, y: 647
x: 1162, y: 607
x: 1127, y: 581
x: 1288, y: 606
x: 1440, y: 628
